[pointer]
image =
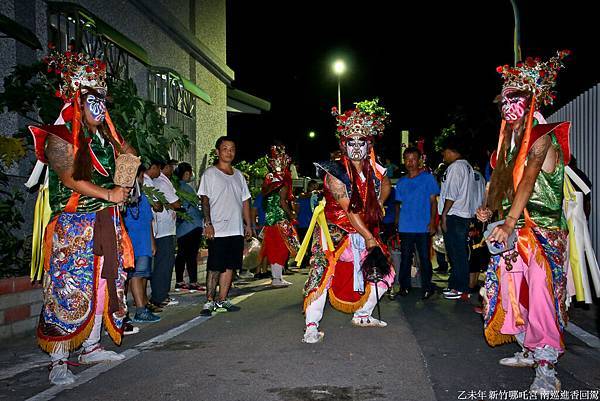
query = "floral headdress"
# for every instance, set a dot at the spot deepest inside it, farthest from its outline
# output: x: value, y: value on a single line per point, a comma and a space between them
x: 366, y: 120
x: 77, y: 70
x: 534, y: 76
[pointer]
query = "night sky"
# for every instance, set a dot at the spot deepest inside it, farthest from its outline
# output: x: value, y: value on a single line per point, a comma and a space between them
x: 426, y: 61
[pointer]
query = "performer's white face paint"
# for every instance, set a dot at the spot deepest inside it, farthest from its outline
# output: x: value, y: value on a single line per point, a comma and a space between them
x: 513, y: 108
x: 357, y: 148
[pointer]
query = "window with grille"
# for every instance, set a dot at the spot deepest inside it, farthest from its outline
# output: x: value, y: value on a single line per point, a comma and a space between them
x: 178, y: 108
x: 71, y: 27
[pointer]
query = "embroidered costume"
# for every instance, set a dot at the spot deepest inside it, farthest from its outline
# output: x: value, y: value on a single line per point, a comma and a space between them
x: 86, y: 247
x: 526, y: 287
x: 280, y: 238
x: 339, y: 250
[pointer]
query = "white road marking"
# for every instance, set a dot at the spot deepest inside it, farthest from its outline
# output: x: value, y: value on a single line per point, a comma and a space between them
x: 590, y: 339
x: 42, y: 360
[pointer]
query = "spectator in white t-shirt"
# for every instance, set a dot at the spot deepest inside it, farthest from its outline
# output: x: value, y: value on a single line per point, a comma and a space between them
x: 458, y: 202
x: 226, y: 207
x: 164, y: 234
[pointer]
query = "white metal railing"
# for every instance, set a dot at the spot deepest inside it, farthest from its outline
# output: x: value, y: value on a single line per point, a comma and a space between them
x: 584, y: 114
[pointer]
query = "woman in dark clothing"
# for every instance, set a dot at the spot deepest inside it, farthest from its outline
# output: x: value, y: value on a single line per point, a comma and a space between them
x: 189, y: 234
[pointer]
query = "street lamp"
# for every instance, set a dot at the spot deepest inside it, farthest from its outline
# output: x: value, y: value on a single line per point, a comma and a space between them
x: 339, y: 67
x: 312, y: 134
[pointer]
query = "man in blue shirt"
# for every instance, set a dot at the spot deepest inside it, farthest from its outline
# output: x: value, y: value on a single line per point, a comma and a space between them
x: 417, y: 192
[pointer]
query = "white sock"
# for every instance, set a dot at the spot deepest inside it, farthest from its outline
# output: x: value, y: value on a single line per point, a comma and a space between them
x: 314, y: 311
x: 367, y: 308
x: 276, y: 271
x: 94, y: 337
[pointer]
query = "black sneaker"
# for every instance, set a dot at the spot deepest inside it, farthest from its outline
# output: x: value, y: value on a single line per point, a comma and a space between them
x: 208, y: 308
x: 153, y: 308
x: 129, y: 329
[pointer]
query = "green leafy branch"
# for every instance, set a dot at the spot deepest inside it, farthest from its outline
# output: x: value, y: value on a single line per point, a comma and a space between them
x: 371, y: 107
x: 448, y: 132
x: 157, y: 198
x: 255, y: 172
x: 141, y: 124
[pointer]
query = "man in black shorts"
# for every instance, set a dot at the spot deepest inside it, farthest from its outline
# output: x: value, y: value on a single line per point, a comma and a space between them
x: 226, y: 206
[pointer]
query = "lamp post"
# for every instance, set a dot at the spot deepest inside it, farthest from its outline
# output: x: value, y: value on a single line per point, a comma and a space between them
x: 338, y: 68
x: 312, y: 135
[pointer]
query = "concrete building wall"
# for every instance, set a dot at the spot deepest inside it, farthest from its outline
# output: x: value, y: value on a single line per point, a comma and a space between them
x: 179, y: 8
x: 211, y: 121
x: 211, y: 26
x: 8, y: 121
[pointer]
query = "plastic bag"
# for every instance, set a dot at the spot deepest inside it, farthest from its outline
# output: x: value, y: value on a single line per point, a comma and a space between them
x: 251, y: 253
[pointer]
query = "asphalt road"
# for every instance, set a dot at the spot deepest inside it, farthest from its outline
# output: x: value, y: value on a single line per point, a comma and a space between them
x: 431, y: 350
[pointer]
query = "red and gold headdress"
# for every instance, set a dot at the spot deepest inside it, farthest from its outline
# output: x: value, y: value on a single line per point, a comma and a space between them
x: 278, y: 160
x: 77, y: 70
x: 534, y: 76
x: 366, y: 120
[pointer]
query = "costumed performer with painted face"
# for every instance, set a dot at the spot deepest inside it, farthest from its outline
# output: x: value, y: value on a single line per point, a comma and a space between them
x: 355, y: 188
x: 280, y: 237
x: 525, y: 285
x: 86, y: 247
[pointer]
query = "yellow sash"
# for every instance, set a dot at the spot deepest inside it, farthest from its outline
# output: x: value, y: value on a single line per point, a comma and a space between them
x: 41, y: 216
x: 317, y: 217
x: 575, y: 263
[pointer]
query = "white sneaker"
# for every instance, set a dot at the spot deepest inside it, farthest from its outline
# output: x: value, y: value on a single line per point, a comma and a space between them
x: 522, y: 359
x: 312, y: 335
x: 60, y: 374
x: 279, y: 282
x: 170, y: 302
x: 246, y: 275
x: 368, y: 321
x: 447, y: 291
x: 99, y: 354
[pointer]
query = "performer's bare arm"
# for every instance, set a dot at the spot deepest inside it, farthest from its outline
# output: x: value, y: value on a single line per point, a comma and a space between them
x: 339, y: 193
x: 60, y: 158
x: 483, y: 213
x: 127, y: 148
x: 268, y: 188
x: 540, y: 152
x: 285, y: 205
x: 209, y: 230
